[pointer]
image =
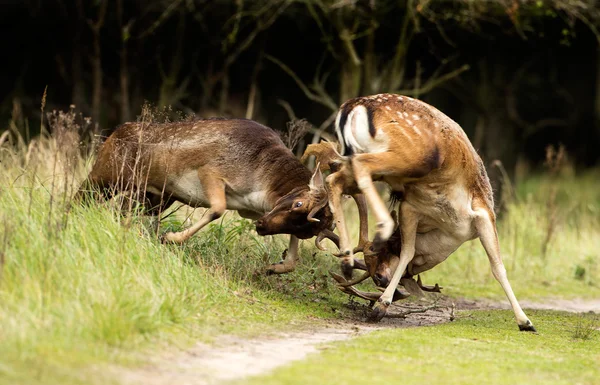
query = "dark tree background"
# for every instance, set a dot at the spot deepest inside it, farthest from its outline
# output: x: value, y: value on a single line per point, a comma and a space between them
x: 518, y: 75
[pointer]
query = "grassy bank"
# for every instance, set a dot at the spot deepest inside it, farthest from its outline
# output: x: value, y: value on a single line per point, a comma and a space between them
x: 83, y: 286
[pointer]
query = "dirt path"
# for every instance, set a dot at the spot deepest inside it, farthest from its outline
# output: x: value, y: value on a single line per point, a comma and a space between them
x: 233, y: 358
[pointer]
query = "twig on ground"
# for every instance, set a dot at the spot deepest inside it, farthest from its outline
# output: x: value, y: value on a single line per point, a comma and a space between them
x: 403, y: 314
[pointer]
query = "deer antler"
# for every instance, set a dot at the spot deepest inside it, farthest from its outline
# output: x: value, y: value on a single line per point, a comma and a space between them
x: 329, y: 235
x: 325, y: 152
x: 370, y: 296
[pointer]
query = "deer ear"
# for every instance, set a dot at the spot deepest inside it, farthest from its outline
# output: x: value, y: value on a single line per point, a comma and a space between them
x: 316, y: 181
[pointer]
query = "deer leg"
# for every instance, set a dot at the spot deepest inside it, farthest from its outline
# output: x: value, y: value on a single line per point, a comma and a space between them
x: 489, y: 239
x: 289, y: 263
x: 363, y: 220
x: 214, y: 189
x: 335, y: 183
x: 385, y: 223
x: 408, y: 227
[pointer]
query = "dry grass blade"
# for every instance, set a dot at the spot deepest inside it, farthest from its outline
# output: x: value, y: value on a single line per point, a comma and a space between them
x: 555, y: 160
x: 585, y: 328
x: 296, y: 130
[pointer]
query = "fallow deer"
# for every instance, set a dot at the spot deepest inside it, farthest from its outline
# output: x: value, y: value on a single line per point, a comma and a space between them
x: 427, y: 158
x: 377, y: 264
x: 220, y: 164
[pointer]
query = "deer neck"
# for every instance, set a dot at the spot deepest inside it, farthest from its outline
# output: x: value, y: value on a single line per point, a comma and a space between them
x: 290, y: 175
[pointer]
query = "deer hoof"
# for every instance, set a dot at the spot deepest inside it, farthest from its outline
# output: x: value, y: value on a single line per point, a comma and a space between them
x: 167, y: 238
x: 378, y: 312
x: 278, y: 268
x: 528, y: 327
x: 377, y: 245
x: 347, y: 270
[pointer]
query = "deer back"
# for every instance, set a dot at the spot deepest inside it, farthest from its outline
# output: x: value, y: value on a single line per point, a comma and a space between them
x: 246, y: 155
x: 422, y: 142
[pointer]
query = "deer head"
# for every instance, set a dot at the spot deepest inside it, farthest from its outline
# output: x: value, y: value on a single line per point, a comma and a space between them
x: 302, y: 212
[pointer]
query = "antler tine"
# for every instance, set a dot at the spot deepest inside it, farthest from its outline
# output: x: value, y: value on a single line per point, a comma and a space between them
x: 355, y: 281
x: 324, y: 152
x: 352, y: 290
x: 329, y: 235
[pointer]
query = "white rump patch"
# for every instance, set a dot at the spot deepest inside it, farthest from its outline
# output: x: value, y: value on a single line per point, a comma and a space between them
x: 356, y: 133
x: 338, y: 129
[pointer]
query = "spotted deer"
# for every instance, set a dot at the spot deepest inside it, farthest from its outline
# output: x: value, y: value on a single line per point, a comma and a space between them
x: 377, y: 265
x: 220, y: 164
x: 427, y: 159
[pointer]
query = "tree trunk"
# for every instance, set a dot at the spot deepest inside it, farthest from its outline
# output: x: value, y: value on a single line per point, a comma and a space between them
x: 597, y: 104
x: 96, y: 80
x: 96, y: 27
x: 124, y: 67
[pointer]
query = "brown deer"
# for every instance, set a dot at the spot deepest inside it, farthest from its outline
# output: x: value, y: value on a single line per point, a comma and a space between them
x: 220, y: 164
x: 425, y: 157
x: 377, y: 265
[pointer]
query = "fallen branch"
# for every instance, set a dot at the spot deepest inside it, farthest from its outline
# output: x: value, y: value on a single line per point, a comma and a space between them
x: 403, y: 314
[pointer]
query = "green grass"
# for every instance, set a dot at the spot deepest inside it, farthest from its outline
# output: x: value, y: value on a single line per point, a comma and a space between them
x: 89, y: 287
x: 480, y: 347
x: 85, y: 288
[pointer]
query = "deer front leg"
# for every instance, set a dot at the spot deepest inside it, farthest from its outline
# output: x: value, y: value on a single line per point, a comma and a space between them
x: 408, y: 228
x: 335, y: 182
x: 289, y: 263
x: 488, y: 236
x: 214, y: 189
x: 363, y: 221
x: 362, y: 175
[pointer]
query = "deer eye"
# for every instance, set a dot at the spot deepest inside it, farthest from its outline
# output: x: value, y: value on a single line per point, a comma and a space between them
x: 297, y: 204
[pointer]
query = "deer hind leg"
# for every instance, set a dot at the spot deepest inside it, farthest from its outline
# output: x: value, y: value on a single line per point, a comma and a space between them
x: 214, y: 190
x: 489, y: 239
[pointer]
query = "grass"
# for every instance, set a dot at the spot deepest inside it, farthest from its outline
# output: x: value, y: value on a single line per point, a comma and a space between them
x: 571, y: 266
x: 82, y: 287
x: 475, y: 349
